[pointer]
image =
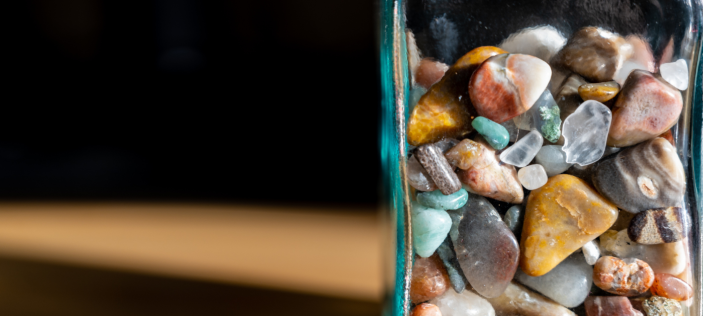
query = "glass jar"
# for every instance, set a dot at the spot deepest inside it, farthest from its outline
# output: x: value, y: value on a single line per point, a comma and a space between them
x: 442, y: 31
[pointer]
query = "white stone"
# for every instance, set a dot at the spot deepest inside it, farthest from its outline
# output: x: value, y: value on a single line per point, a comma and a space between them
x: 568, y: 283
x: 518, y: 300
x: 675, y: 73
x: 532, y: 177
x: 467, y: 303
x: 663, y: 258
x: 521, y: 153
x: 627, y: 67
x: 591, y: 252
x: 542, y: 42
x: 553, y: 159
x: 586, y: 132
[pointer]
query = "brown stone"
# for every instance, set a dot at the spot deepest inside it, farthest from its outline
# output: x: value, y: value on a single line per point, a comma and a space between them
x: 426, y: 309
x: 627, y: 277
x: 601, y: 92
x: 646, y: 107
x: 594, y: 53
x: 669, y: 286
x: 430, y: 72
x: 609, y: 306
x: 442, y: 173
x: 429, y: 279
x: 657, y: 226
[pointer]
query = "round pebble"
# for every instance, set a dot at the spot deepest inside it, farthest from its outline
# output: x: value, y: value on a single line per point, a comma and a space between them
x: 553, y: 159
x: 628, y: 277
x: 532, y: 177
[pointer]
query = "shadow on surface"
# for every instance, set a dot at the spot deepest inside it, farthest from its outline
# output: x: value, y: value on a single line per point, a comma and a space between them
x: 37, y: 288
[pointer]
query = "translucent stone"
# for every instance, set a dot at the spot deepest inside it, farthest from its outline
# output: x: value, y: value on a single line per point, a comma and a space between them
x: 568, y: 283
x: 542, y: 42
x: 553, y: 159
x: 514, y: 218
x: 521, y: 153
x: 430, y: 228
x: 627, y: 68
x: 591, y: 252
x: 429, y: 279
x: 675, y: 73
x: 437, y: 200
x: 532, y: 176
x: 486, y: 248
x: 418, y: 177
x: 518, y: 300
x: 542, y: 116
x: 663, y: 258
x: 586, y: 132
x: 467, y: 303
x: 456, y: 276
x: 669, y: 286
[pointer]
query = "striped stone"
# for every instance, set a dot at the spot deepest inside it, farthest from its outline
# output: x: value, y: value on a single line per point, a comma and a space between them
x: 657, y: 226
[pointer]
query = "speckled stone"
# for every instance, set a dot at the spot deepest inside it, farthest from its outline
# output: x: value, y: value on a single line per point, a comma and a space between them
x: 647, y: 176
x: 445, y: 111
x: 646, y: 107
x: 561, y: 217
x: 429, y: 279
x: 518, y: 300
x: 594, y: 53
x: 507, y: 85
x: 658, y: 226
x: 661, y: 306
x: 610, y: 306
x: 668, y: 258
x: 426, y: 309
x: 486, y: 248
x: 628, y: 277
x: 442, y: 173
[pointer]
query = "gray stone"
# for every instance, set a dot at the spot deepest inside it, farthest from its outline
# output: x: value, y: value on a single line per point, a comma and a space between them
x: 442, y: 173
x: 456, y: 276
x: 568, y: 283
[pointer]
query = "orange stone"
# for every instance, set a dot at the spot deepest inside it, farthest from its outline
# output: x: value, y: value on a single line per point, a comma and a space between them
x: 561, y: 217
x: 669, y: 286
x: 429, y: 279
x: 669, y: 137
x: 445, y: 111
x: 426, y: 309
x: 627, y: 277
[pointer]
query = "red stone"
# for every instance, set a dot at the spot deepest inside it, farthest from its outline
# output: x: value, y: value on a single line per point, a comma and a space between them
x: 610, y: 306
x: 426, y: 309
x: 669, y: 286
x: 429, y: 279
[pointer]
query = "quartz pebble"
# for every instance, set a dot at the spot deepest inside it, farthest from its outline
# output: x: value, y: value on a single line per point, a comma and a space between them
x: 442, y: 173
x: 643, y: 177
x: 451, y: 264
x: 507, y: 85
x: 669, y: 286
x: 591, y: 252
x: 514, y: 218
x: 483, y: 174
x: 661, y: 306
x: 437, y: 200
x: 594, y: 53
x: 418, y: 177
x: 523, y: 151
x: 429, y: 279
x: 430, y: 72
x: 601, y: 92
x: 567, y: 284
x: 586, y: 132
x: 552, y: 159
x: 467, y: 303
x: 446, y: 110
x: 495, y: 134
x: 532, y: 177
x: 542, y: 42
x: 628, y: 277
x: 542, y: 116
x: 518, y: 300
x: 426, y: 309
x: 675, y: 73
x: 645, y: 108
x: 430, y: 228
x: 610, y: 306
x: 657, y: 226
x: 663, y: 258
x: 487, y: 250
x: 561, y: 217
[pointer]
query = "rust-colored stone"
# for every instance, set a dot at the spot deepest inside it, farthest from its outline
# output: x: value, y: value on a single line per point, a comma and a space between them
x: 426, y: 309
x: 429, y: 279
x: 445, y: 111
x: 627, y: 277
x: 669, y: 286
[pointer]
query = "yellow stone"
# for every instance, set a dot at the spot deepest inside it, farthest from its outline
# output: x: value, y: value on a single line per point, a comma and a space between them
x: 600, y: 92
x: 445, y: 111
x: 561, y: 217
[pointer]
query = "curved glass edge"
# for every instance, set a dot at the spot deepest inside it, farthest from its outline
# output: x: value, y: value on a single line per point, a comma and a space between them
x: 394, y: 88
x: 696, y: 148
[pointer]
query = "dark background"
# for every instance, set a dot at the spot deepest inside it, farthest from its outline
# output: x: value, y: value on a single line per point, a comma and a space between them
x: 185, y: 100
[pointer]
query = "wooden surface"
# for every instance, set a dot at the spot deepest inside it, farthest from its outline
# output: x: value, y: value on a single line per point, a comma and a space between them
x: 323, y: 252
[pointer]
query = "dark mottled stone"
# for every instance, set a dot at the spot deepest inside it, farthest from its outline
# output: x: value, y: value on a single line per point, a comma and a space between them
x: 643, y: 177
x: 456, y: 276
x: 486, y: 249
x: 657, y: 226
x: 442, y: 173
